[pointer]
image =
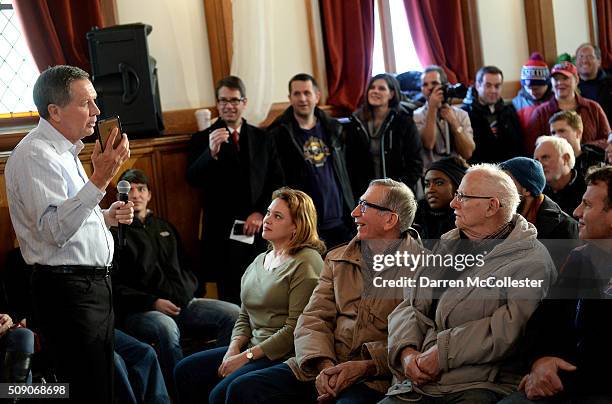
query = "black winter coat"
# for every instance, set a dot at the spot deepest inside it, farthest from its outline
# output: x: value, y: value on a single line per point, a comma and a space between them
x: 291, y: 155
x: 225, y: 182
x: 153, y: 265
x: 554, y: 223
x: 401, y: 148
x: 491, y: 147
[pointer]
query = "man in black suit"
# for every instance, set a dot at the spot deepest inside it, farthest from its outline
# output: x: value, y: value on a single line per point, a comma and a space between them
x: 236, y: 165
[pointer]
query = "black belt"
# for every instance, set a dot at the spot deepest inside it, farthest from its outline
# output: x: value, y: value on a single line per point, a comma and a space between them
x: 74, y: 269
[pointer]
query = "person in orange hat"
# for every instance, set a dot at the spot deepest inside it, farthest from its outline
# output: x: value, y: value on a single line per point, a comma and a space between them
x: 565, y: 84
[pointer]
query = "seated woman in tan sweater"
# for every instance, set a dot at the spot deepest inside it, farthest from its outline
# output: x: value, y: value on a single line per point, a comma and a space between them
x: 274, y: 290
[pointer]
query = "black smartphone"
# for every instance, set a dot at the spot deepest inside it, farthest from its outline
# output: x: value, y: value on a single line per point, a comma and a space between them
x: 239, y: 229
x: 105, y: 127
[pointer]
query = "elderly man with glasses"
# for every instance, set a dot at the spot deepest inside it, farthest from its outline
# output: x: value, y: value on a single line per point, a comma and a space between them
x: 458, y: 344
x: 341, y: 338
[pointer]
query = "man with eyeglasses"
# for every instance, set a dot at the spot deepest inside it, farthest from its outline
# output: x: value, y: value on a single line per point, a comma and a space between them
x: 594, y: 83
x: 312, y: 155
x: 458, y: 344
x: 236, y: 165
x: 341, y: 337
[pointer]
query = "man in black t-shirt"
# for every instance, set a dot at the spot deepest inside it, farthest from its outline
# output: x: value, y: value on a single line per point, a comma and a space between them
x: 311, y: 153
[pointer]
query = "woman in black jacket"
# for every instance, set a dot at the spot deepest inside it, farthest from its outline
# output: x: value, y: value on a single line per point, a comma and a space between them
x: 381, y: 138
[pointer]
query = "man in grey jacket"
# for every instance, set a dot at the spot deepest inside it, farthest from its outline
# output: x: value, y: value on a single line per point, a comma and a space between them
x: 454, y: 341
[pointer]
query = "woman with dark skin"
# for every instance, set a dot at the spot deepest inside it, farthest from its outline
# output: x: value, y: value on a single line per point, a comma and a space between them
x: 434, y: 215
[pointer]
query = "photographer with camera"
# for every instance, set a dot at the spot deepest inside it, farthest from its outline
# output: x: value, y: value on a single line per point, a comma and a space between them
x: 445, y: 130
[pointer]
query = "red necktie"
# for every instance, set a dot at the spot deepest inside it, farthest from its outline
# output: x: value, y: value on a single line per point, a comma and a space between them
x: 236, y: 138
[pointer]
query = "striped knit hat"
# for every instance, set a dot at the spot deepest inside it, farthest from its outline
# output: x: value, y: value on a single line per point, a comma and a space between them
x: 535, y: 71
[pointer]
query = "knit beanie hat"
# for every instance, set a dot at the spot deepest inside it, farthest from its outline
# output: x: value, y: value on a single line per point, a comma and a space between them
x: 535, y: 71
x: 527, y: 172
x: 449, y: 166
x: 565, y: 57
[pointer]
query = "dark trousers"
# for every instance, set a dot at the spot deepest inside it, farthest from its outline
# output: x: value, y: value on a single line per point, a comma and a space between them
x: 138, y: 376
x: 520, y: 398
x: 74, y: 316
x: 277, y: 384
x: 196, y: 377
x: 472, y: 396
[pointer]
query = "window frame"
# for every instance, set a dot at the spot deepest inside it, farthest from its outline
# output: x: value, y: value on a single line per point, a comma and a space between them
x: 14, y: 127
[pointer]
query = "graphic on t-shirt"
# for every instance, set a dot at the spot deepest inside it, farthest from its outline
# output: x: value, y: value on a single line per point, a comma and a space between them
x: 315, y: 151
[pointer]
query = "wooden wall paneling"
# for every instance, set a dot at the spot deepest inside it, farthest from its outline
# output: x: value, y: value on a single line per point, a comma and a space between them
x: 540, y: 23
x: 164, y: 159
x: 316, y: 48
x: 473, y: 40
x: 182, y: 202
x: 219, y: 25
x: 592, y: 14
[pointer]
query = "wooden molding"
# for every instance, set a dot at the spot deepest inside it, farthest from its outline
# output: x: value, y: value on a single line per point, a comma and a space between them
x: 510, y: 89
x: 109, y: 12
x: 219, y: 24
x: 473, y: 40
x: 540, y: 23
x: 316, y: 48
x: 592, y: 14
x: 177, y: 123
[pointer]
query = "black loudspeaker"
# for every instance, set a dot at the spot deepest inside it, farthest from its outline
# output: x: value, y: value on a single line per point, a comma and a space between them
x: 125, y: 78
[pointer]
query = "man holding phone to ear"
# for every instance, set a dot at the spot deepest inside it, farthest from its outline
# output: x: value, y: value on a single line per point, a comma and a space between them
x: 237, y: 167
x: 65, y: 235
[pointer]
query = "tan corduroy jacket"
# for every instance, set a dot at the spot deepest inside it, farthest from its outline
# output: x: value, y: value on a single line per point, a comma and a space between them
x: 341, y: 322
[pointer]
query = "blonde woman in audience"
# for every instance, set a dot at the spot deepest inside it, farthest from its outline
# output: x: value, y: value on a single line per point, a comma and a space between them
x: 274, y: 290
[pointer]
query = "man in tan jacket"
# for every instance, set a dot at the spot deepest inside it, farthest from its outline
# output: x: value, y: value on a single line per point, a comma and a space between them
x: 341, y: 338
x: 455, y: 342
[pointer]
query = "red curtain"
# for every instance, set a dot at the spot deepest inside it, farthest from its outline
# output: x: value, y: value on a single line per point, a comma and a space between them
x: 55, y: 30
x: 604, y: 21
x: 348, y: 33
x: 436, y: 27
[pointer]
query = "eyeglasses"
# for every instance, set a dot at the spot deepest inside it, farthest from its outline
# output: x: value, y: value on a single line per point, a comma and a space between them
x: 461, y: 197
x: 585, y: 57
x: 233, y: 101
x: 364, y: 205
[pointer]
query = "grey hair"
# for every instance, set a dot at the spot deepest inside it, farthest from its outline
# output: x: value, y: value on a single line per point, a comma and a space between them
x: 400, y: 199
x: 596, y: 49
x: 439, y: 70
x: 501, y: 184
x: 561, y: 145
x: 53, y: 87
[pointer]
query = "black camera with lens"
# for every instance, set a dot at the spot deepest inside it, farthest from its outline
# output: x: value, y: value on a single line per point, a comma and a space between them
x: 449, y: 91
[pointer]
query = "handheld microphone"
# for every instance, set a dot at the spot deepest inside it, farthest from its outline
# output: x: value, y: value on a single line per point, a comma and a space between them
x: 123, y: 188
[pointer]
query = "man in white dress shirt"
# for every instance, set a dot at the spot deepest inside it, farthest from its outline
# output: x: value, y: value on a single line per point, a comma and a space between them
x: 64, y: 234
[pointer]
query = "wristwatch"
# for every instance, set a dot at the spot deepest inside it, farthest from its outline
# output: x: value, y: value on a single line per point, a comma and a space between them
x: 249, y: 355
x: 459, y: 130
